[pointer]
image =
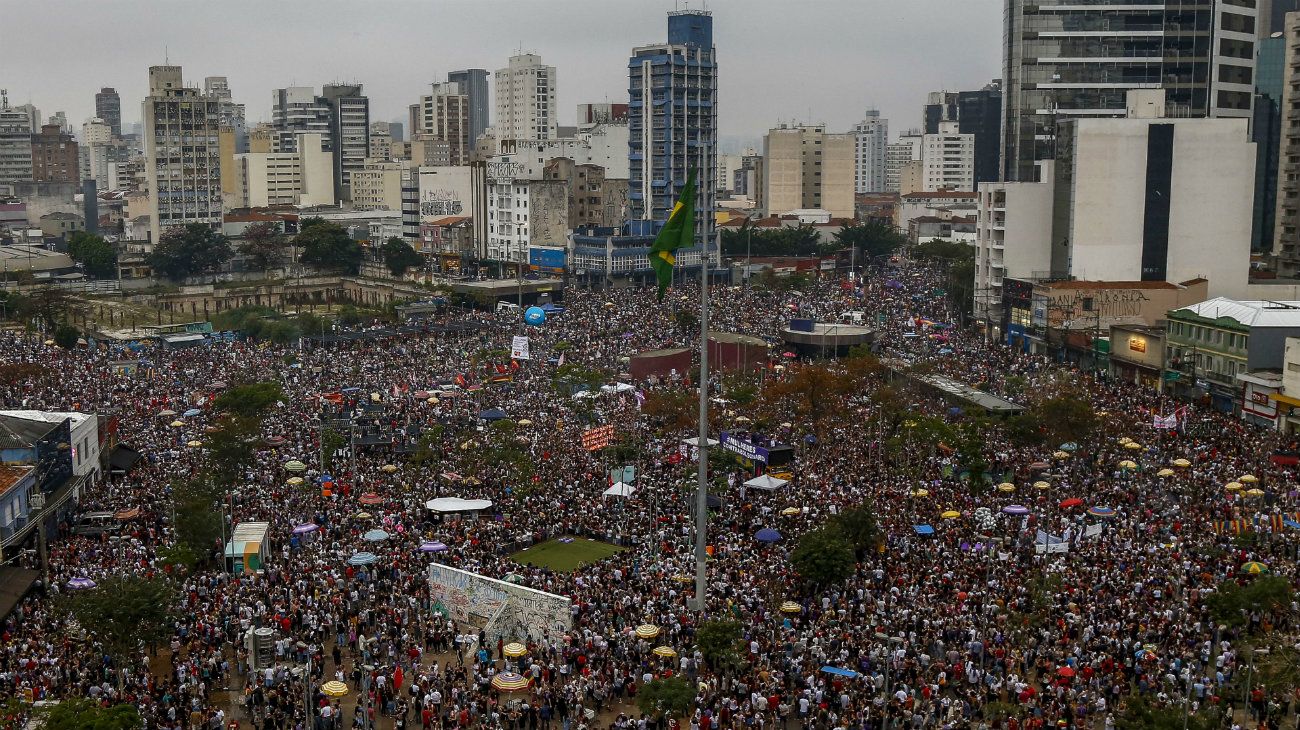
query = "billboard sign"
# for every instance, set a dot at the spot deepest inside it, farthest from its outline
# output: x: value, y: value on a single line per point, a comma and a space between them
x: 548, y: 259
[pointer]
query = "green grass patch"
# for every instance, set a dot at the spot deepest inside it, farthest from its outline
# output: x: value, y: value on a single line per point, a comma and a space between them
x: 566, y: 557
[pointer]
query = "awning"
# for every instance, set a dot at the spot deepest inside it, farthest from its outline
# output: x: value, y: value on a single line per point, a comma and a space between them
x: 1285, y: 399
x: 123, y: 458
x: 14, y: 584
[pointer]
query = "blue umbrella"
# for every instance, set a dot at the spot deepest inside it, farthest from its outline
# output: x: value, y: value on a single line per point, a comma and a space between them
x: 923, y: 529
x: 493, y: 414
x: 1015, y: 509
x: 1101, y: 511
x: 325, y: 478
x: 363, y: 559
x: 839, y: 672
x: 432, y: 546
x: 767, y: 534
x: 1292, y: 524
x: 191, y: 413
x: 375, y: 536
x: 1069, y: 446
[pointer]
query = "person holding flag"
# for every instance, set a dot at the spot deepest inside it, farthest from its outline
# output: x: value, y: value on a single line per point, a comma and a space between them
x: 678, y: 231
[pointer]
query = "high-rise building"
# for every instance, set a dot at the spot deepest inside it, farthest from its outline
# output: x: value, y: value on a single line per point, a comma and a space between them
x: 304, y: 177
x: 440, y: 119
x: 1063, y: 59
x: 1266, y: 133
x: 979, y: 113
x: 948, y: 159
x: 54, y: 155
x: 231, y: 114
x: 1272, y: 15
x: 381, y: 142
x: 940, y: 106
x: 34, y: 120
x: 60, y: 120
x: 673, y: 121
x: 99, y: 151
x: 349, y: 130
x: 182, y: 168
x: 806, y: 168
x: 297, y: 109
x: 870, y: 137
x: 898, y: 155
x: 1286, y: 245
x: 474, y: 84
x: 15, y: 143
x: 525, y: 99
x: 601, y: 113
x: 396, y: 131
x: 108, y: 106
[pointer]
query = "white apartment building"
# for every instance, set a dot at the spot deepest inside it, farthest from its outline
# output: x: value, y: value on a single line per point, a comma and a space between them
x: 870, y: 138
x: 1143, y: 198
x: 897, y: 156
x: 378, y: 185
x: 181, y: 153
x: 525, y: 99
x: 600, y: 144
x: 948, y: 159
x: 304, y: 178
x: 804, y: 167
x: 15, y: 144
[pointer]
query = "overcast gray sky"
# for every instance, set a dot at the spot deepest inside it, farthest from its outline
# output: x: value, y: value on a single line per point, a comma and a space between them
x: 780, y: 60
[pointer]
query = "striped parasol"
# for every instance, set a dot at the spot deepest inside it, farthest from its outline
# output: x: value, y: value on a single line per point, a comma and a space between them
x: 647, y: 631
x: 514, y: 649
x: 791, y: 607
x: 666, y: 652
x: 334, y: 688
x: 509, y: 682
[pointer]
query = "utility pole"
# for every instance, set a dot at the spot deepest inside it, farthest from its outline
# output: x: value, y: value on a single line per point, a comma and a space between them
x: 702, y: 484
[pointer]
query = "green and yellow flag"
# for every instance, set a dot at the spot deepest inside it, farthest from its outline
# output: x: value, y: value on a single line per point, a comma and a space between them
x: 677, y: 232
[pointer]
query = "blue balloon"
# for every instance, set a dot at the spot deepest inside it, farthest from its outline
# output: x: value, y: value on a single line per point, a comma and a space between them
x: 534, y: 316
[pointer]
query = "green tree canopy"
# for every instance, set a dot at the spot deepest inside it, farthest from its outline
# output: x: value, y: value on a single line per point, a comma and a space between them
x: 94, y: 253
x: 192, y: 249
x: 125, y: 611
x: 264, y: 244
x: 670, y: 696
x: 1231, y: 603
x: 824, y: 555
x: 65, y: 336
x: 871, y: 239
x: 1139, y: 713
x: 800, y: 240
x: 251, y: 400
x: 399, y: 256
x: 720, y: 641
x: 80, y: 713
x: 859, y: 527
x: 327, y: 246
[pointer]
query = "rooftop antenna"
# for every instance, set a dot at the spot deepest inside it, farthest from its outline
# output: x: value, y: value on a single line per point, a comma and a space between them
x: 4, y: 98
x: 167, y: 59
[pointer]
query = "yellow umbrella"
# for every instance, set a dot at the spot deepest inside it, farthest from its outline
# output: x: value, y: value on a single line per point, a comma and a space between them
x: 791, y: 607
x: 665, y: 652
x: 1042, y: 485
x: 1182, y: 463
x: 1255, y: 492
x: 362, y: 515
x: 791, y: 511
x: 295, y: 465
x: 1006, y: 487
x: 194, y: 444
x: 1248, y: 479
x: 921, y: 493
x: 388, y: 468
x: 1128, y: 464
x: 334, y: 688
x: 951, y: 514
x: 1124, y: 439
x: 683, y: 579
x: 432, y: 401
x: 294, y: 481
x: 1132, y: 445
x: 1061, y: 454
x: 1165, y: 472
x: 177, y: 424
x: 1233, y: 486
x: 525, y: 422
x: 514, y: 649
x: 647, y: 631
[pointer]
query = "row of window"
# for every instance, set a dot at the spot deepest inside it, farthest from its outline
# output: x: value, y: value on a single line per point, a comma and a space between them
x: 1212, y: 337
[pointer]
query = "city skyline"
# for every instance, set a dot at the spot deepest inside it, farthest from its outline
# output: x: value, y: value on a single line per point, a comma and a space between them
x: 758, y: 87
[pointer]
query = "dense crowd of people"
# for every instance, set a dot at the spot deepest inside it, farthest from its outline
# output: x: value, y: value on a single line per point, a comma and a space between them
x: 979, y: 621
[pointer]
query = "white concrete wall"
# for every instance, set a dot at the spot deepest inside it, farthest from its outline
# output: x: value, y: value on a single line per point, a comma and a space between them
x: 317, y: 172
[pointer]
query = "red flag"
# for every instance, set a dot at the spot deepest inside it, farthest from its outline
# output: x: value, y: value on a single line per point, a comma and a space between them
x: 514, y: 364
x: 460, y: 380
x: 501, y: 369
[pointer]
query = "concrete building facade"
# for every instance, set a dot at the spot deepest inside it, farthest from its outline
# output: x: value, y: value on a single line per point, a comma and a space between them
x: 108, y: 106
x: 303, y: 178
x: 474, y: 84
x: 54, y: 156
x: 442, y: 116
x: 378, y: 185
x: 948, y: 159
x: 15, y: 145
x: 897, y: 157
x: 182, y: 157
x: 804, y: 167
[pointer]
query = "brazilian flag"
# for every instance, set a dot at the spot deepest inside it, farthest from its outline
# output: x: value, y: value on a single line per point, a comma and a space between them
x: 677, y: 232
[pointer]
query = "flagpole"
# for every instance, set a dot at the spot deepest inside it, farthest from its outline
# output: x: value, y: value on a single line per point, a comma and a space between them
x: 701, y: 487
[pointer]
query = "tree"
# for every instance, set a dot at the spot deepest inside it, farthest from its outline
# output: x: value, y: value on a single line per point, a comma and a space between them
x: 824, y: 556
x: 720, y: 641
x: 92, y: 252
x: 399, y: 256
x: 670, y: 696
x: 264, y: 244
x: 859, y: 527
x: 65, y: 336
x: 872, y: 238
x: 327, y: 246
x: 80, y: 713
x: 1231, y: 603
x: 192, y: 249
x: 125, y: 611
x: 802, y: 240
x: 1140, y: 714
x: 252, y: 400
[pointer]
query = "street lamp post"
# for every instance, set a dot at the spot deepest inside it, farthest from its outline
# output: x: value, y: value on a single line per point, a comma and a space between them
x: 37, y: 503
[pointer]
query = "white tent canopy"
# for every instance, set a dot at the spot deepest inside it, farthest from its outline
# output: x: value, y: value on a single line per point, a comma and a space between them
x: 696, y: 439
x: 617, y: 388
x: 621, y: 489
x: 766, y: 482
x: 456, y: 504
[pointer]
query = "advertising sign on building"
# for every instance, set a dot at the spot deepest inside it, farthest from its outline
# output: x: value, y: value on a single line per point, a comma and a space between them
x: 549, y: 259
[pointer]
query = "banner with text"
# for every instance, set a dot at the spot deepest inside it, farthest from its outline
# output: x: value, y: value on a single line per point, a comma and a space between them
x: 519, y: 347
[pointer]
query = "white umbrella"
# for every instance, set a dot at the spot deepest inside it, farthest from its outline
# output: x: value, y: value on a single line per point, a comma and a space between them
x: 767, y: 482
